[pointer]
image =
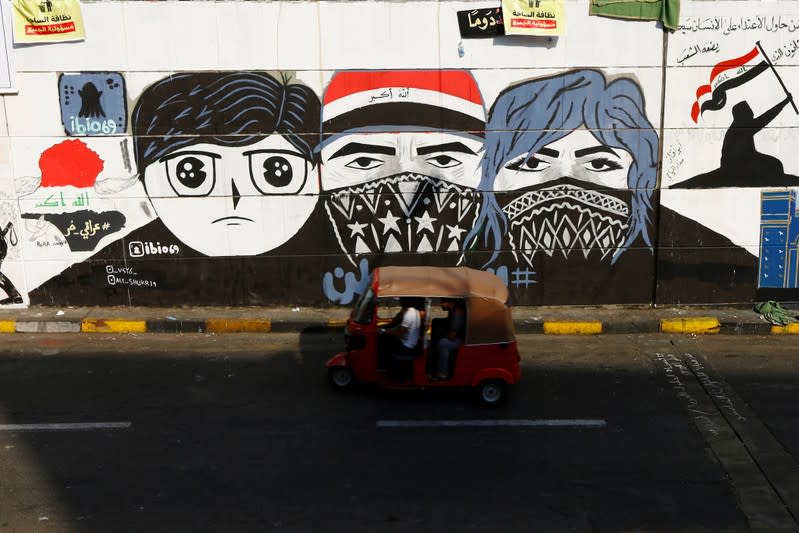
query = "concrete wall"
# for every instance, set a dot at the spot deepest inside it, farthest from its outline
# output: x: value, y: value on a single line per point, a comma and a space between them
x: 241, y: 153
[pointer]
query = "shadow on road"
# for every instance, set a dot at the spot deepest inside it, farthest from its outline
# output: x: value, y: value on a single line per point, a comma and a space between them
x: 249, y: 437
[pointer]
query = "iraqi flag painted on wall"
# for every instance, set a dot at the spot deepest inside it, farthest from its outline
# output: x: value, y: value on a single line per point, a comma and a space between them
x: 728, y: 75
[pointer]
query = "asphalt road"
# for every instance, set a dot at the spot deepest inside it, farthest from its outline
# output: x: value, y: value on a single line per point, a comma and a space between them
x: 229, y: 433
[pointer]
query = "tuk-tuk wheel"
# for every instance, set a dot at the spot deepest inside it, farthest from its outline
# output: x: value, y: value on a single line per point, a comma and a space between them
x: 492, y: 392
x: 341, y: 377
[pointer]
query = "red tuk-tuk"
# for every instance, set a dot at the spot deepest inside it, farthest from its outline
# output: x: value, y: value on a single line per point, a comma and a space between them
x: 488, y: 359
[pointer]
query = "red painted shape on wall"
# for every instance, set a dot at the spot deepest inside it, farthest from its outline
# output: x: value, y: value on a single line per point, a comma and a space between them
x: 70, y: 163
x: 459, y: 83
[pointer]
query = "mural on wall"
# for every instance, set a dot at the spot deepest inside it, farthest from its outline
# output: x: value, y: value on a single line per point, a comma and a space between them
x: 730, y: 123
x: 82, y: 230
x: 69, y: 169
x: 556, y: 192
x: 259, y: 187
x: 69, y: 163
x: 227, y: 160
x: 400, y: 155
x: 741, y: 164
x: 8, y: 237
x: 93, y: 103
x: 779, y: 240
x: 568, y: 173
x: 225, y: 172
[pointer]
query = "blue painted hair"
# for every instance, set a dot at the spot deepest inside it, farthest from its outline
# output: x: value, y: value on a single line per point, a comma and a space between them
x: 530, y: 115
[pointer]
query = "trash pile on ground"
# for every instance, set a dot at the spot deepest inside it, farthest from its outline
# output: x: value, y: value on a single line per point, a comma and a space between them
x: 776, y: 314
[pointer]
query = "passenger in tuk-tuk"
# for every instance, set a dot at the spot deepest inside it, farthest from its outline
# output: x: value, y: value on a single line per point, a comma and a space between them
x: 455, y: 332
x: 405, y: 329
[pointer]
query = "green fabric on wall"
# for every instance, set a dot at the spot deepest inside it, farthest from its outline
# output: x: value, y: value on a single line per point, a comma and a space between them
x: 667, y: 11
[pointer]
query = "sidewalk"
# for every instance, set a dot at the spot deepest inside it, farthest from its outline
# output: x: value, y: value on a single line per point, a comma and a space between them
x: 544, y: 320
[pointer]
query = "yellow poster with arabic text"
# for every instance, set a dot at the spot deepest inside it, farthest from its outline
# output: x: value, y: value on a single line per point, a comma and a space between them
x: 534, y: 17
x: 47, y: 21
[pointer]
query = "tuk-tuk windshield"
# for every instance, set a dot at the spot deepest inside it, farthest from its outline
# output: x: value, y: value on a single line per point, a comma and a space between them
x: 364, y: 308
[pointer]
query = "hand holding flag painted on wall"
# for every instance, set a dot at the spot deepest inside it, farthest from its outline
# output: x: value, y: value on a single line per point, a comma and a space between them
x: 741, y: 71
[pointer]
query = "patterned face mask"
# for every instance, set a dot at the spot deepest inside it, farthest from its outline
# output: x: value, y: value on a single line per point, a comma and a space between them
x: 403, y: 213
x: 564, y: 218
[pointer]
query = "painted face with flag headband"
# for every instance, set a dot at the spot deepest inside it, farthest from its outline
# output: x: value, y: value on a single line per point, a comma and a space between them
x: 400, y: 154
x: 569, y: 169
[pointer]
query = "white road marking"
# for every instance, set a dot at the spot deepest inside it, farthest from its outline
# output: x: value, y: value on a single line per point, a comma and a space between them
x: 77, y: 426
x: 554, y: 422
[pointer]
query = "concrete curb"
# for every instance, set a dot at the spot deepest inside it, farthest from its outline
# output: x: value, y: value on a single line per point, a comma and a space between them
x: 695, y: 325
x: 562, y: 327
x: 688, y: 326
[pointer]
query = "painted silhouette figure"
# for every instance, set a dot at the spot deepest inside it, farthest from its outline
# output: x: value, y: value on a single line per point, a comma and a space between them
x: 13, y: 295
x: 90, y: 101
x: 738, y: 153
x: 741, y: 164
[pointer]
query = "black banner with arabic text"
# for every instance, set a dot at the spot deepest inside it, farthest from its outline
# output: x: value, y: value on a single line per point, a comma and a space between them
x: 480, y: 23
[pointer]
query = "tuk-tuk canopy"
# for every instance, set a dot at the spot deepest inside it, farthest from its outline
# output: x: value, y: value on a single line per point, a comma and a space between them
x: 488, y: 318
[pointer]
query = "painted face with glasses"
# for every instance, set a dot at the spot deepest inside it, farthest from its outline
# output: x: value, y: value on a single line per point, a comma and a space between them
x: 250, y: 183
x: 233, y: 200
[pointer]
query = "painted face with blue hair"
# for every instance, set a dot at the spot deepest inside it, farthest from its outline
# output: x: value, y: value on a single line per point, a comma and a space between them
x: 569, y: 166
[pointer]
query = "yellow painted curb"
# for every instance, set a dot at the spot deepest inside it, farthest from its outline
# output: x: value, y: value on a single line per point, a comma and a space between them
x: 700, y: 324
x: 572, y: 328
x: 102, y: 325
x: 223, y: 325
x: 790, y: 329
x: 8, y: 326
x: 332, y: 323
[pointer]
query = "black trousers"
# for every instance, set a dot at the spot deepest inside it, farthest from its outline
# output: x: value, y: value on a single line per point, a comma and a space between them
x: 400, y: 361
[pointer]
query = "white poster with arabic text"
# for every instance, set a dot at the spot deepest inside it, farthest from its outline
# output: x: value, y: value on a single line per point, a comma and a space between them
x: 7, y: 70
x: 534, y: 17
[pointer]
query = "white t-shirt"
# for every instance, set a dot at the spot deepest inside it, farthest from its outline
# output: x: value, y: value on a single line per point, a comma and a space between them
x: 412, y: 321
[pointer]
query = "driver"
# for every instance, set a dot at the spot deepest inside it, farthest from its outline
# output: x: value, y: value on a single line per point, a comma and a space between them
x: 404, y: 329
